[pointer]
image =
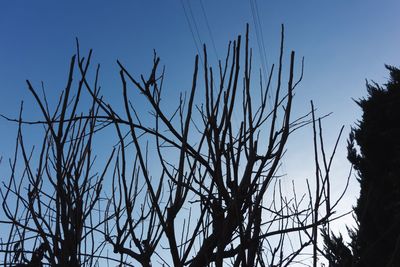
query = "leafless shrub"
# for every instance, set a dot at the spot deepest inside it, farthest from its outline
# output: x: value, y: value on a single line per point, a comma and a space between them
x: 195, y: 187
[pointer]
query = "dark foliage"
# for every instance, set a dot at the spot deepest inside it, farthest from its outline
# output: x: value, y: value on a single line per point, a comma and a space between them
x: 374, y: 150
x: 337, y: 253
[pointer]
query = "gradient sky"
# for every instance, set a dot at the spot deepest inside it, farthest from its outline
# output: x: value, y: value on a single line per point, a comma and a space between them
x: 343, y: 42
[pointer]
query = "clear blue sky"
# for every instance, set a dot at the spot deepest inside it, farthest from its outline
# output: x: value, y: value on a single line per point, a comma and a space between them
x: 343, y: 42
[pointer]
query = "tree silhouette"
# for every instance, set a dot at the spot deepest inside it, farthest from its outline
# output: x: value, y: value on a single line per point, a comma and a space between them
x: 197, y: 185
x: 374, y: 151
x: 50, y: 204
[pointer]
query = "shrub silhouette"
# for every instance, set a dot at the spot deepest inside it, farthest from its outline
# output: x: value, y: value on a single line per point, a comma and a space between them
x: 197, y: 186
x: 374, y: 151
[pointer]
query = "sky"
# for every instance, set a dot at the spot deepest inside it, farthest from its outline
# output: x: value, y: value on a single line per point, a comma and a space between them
x: 344, y: 42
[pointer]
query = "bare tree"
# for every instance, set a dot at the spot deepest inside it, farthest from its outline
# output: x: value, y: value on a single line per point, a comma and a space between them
x: 195, y: 186
x: 50, y: 205
x: 205, y: 202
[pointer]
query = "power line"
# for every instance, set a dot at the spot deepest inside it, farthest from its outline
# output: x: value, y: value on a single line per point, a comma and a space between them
x: 261, y: 33
x: 259, y: 37
x: 209, y: 29
x: 264, y: 59
x: 191, y: 31
x: 194, y: 22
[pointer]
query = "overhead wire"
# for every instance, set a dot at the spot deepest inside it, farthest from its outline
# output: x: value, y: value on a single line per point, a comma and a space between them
x: 260, y: 42
x: 261, y: 33
x: 209, y: 29
x: 192, y: 31
x: 194, y: 22
x: 263, y: 57
x: 257, y: 27
x: 194, y: 28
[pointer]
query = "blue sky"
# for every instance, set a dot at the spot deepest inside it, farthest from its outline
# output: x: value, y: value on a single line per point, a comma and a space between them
x: 343, y: 42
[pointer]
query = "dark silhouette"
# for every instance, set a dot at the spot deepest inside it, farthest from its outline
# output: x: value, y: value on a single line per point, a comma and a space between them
x: 195, y: 185
x: 53, y: 194
x: 374, y: 151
